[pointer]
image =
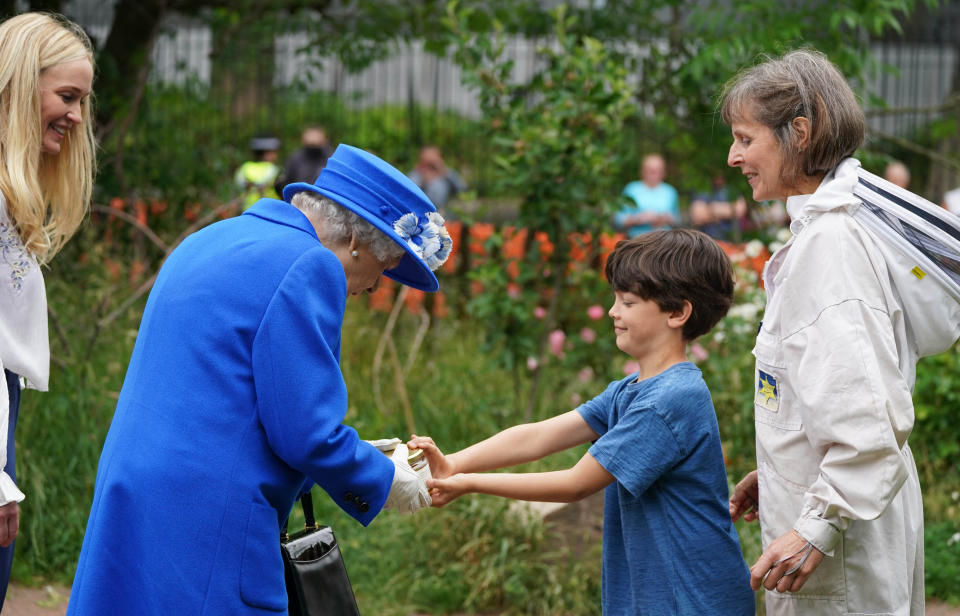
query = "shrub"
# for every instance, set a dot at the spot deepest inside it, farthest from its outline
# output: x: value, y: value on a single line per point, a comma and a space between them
x: 942, y: 560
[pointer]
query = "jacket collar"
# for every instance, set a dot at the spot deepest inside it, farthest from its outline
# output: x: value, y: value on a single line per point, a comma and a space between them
x: 283, y: 213
x: 834, y: 193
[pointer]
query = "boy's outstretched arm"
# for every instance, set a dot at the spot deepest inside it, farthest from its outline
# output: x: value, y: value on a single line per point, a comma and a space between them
x: 566, y: 486
x: 516, y: 445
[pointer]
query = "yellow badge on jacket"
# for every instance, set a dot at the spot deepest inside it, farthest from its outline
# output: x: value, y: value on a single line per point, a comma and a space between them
x: 768, y: 395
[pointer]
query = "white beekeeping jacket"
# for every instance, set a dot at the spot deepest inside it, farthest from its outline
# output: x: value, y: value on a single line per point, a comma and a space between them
x: 847, y: 317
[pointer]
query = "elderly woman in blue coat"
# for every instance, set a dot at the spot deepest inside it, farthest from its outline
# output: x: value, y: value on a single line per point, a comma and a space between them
x: 233, y: 401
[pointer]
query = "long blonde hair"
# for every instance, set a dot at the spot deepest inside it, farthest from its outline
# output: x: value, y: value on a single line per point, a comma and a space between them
x: 47, y: 195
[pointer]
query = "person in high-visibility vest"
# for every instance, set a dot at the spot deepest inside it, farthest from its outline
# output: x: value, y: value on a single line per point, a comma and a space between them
x: 256, y: 177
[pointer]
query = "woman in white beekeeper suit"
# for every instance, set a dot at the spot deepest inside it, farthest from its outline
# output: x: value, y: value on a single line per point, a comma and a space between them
x: 847, y: 316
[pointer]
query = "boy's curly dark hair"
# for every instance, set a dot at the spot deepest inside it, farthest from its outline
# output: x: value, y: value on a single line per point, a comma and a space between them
x: 673, y: 266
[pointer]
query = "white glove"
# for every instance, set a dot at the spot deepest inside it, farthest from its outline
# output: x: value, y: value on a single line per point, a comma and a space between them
x: 409, y: 491
x: 386, y: 445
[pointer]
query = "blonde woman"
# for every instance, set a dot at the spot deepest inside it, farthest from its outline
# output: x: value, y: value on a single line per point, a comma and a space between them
x: 46, y: 177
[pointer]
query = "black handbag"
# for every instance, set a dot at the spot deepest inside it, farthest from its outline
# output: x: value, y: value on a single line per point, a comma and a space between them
x: 317, y: 582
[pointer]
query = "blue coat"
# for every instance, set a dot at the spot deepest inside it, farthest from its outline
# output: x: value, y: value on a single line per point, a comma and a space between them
x: 233, y: 401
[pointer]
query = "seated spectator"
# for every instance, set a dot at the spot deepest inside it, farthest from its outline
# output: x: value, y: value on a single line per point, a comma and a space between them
x: 436, y: 179
x: 654, y: 201
x: 716, y: 214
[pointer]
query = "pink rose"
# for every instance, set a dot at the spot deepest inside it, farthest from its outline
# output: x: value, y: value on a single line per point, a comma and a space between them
x: 555, y: 342
x: 539, y: 312
x: 631, y: 366
x: 532, y: 363
x: 596, y: 312
x: 588, y: 335
x: 585, y: 375
x: 699, y: 353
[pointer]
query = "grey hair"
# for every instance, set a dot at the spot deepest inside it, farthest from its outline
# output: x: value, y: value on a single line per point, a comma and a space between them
x: 802, y: 83
x: 340, y: 224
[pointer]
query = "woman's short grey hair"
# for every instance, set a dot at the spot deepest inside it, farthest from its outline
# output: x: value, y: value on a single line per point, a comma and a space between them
x: 802, y: 83
x: 340, y: 224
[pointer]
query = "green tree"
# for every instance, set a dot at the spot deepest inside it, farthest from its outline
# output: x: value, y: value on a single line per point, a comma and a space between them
x: 554, y: 140
x: 559, y: 139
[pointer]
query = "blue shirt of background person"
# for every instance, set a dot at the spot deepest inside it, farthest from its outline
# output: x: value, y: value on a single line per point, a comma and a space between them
x: 669, y: 546
x: 666, y: 518
x: 654, y: 201
x: 714, y: 212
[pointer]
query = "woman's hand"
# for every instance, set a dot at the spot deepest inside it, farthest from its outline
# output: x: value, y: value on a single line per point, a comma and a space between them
x: 9, y: 523
x: 786, y: 564
x: 440, y: 465
x: 745, y: 499
x: 409, y: 492
x: 443, y: 491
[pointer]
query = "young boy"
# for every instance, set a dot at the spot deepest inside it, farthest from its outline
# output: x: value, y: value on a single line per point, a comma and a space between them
x: 669, y: 546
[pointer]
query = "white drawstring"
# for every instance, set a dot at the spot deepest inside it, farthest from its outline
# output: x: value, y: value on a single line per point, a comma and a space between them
x: 805, y: 550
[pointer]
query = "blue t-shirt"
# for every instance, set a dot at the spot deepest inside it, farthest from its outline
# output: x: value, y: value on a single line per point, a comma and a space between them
x: 669, y: 546
x: 661, y: 199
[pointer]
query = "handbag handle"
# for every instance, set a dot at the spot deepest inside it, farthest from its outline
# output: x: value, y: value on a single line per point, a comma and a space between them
x: 309, y: 522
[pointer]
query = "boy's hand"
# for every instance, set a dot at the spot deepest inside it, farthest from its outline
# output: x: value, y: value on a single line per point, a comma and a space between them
x: 443, y: 491
x: 440, y: 466
x: 745, y: 499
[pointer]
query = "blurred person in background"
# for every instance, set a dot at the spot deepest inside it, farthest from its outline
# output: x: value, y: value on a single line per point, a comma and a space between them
x: 436, y: 179
x: 897, y: 173
x: 717, y: 214
x: 653, y: 202
x: 46, y: 178
x: 306, y: 163
x: 256, y: 177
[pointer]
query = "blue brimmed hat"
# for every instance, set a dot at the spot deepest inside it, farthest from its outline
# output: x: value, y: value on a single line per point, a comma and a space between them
x: 391, y: 202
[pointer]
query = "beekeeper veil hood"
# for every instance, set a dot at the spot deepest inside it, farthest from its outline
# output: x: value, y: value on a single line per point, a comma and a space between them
x: 921, y: 244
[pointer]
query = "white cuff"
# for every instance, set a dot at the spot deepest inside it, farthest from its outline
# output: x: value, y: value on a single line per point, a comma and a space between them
x: 823, y: 534
x: 9, y: 491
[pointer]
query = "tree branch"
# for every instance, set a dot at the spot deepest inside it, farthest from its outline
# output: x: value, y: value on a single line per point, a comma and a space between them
x: 147, y: 231
x: 919, y: 149
x: 951, y: 103
x: 144, y: 288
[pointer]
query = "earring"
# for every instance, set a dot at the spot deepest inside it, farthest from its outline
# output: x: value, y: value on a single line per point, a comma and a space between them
x: 354, y: 254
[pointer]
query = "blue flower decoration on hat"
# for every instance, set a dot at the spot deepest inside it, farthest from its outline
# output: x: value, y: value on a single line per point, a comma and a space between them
x: 391, y: 202
x: 426, y: 236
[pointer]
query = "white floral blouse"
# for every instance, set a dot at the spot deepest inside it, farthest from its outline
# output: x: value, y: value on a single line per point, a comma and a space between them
x: 24, y: 345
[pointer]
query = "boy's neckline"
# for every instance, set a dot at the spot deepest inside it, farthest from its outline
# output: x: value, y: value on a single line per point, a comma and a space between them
x: 640, y: 379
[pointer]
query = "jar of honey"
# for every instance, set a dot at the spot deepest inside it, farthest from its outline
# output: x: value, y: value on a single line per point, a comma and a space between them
x: 418, y: 462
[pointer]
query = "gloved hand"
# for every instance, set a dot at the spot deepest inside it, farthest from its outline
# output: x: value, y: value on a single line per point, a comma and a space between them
x: 409, y: 492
